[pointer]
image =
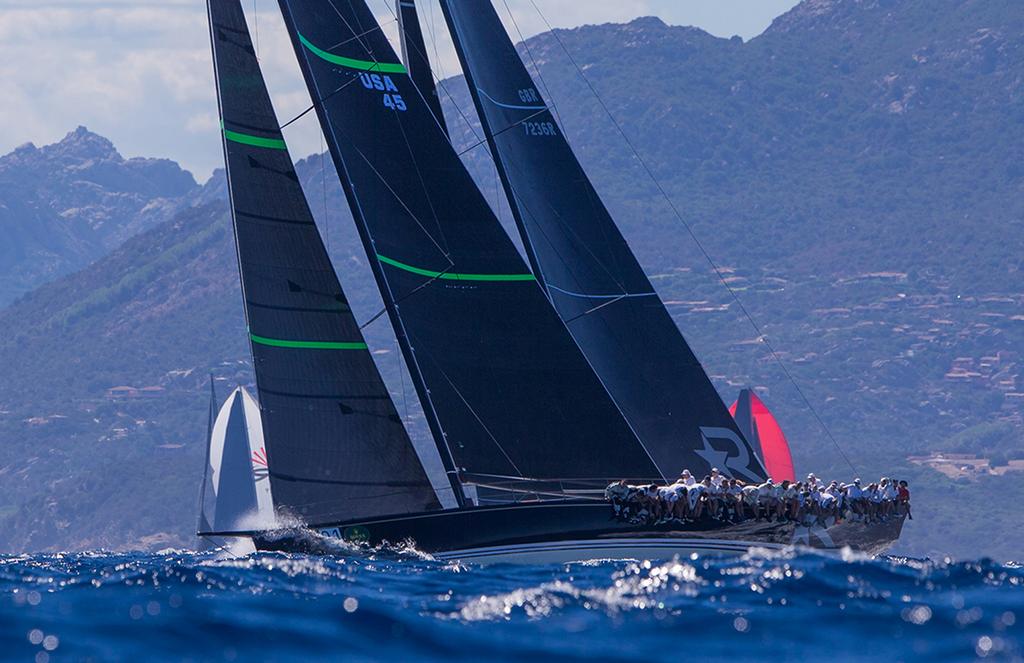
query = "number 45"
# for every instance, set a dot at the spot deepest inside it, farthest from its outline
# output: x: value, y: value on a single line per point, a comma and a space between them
x: 395, y: 102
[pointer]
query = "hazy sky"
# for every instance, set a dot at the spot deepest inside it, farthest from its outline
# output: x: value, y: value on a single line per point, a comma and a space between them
x: 138, y: 71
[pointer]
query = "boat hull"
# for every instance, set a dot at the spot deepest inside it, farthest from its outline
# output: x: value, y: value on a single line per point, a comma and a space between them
x: 563, y: 532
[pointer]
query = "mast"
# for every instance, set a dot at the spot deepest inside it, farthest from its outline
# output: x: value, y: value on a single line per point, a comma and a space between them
x: 505, y: 389
x: 336, y: 448
x: 588, y: 270
x: 417, y: 62
x: 417, y: 65
x: 204, y: 522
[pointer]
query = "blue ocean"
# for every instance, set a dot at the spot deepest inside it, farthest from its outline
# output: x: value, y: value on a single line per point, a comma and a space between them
x: 402, y: 605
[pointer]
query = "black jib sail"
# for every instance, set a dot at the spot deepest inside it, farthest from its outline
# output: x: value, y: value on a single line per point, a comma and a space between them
x: 505, y: 388
x: 590, y: 273
x: 414, y: 54
x: 336, y: 446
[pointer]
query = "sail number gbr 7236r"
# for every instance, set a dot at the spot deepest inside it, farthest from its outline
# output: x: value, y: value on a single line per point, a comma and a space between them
x: 540, y: 129
x: 530, y: 96
x: 384, y: 84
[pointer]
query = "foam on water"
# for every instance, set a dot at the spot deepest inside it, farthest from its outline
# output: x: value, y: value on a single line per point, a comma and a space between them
x: 401, y: 604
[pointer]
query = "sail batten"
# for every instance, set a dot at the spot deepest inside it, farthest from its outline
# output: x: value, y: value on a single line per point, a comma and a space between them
x: 335, y: 446
x: 308, y: 345
x: 505, y: 389
x: 352, y: 63
x: 585, y: 265
x: 454, y: 276
x: 256, y: 141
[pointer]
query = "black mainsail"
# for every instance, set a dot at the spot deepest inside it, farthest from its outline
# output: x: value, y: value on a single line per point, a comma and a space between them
x: 507, y: 392
x: 591, y: 275
x: 336, y: 446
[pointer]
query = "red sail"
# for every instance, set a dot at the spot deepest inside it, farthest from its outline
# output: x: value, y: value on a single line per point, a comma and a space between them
x: 764, y: 433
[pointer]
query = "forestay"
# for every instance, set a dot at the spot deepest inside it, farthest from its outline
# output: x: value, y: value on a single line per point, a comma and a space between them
x: 591, y: 275
x: 336, y: 447
x: 505, y: 388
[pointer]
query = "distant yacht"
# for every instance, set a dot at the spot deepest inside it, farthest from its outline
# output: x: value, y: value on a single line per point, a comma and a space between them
x: 236, y: 489
x: 541, y: 382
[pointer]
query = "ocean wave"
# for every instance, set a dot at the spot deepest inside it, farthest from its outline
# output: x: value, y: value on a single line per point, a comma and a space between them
x: 366, y: 603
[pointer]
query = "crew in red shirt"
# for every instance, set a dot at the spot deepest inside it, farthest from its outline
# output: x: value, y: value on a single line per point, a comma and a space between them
x: 904, y: 498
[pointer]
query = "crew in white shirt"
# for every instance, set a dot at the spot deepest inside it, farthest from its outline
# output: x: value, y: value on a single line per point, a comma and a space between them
x: 722, y: 498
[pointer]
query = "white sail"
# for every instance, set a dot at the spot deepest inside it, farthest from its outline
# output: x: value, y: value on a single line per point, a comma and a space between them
x: 239, y: 476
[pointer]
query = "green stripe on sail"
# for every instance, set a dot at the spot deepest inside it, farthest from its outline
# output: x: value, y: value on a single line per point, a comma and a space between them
x: 306, y: 345
x: 255, y: 141
x: 361, y: 65
x: 455, y: 277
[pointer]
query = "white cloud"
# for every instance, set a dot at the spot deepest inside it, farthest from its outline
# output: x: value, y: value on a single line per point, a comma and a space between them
x: 202, y: 123
x: 139, y: 72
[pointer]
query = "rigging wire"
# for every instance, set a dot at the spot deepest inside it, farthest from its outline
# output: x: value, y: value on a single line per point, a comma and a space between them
x: 549, y: 107
x: 405, y: 297
x: 433, y: 41
x: 380, y: 176
x: 439, y: 83
x: 315, y: 104
x: 693, y: 235
x: 536, y: 67
x: 401, y: 375
x: 447, y: 257
x: 323, y: 186
x: 479, y: 420
x: 498, y: 133
x: 355, y: 37
x: 438, y: 79
x: 256, y: 27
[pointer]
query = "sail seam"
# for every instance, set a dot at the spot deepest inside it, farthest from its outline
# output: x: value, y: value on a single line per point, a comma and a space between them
x: 455, y: 277
x: 352, y: 63
x: 300, y: 309
x: 324, y: 397
x: 583, y: 295
x: 306, y: 345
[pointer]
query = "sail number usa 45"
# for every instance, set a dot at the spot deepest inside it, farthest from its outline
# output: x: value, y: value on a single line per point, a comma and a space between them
x: 383, y: 83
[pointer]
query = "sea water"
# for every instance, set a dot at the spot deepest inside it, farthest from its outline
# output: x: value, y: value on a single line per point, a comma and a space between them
x: 404, y: 606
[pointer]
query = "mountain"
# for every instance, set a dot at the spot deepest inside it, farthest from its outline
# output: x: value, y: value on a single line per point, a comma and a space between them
x: 860, y: 134
x: 106, y: 370
x: 876, y: 245
x: 64, y: 205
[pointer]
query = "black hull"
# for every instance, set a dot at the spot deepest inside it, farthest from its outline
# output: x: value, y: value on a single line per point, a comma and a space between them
x: 574, y: 531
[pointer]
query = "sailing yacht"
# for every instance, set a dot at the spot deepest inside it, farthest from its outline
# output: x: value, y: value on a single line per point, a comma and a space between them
x: 236, y: 486
x: 541, y: 381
